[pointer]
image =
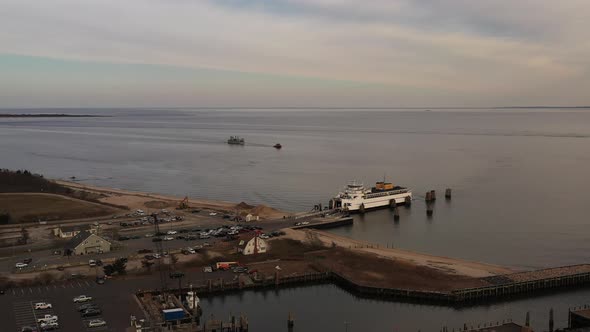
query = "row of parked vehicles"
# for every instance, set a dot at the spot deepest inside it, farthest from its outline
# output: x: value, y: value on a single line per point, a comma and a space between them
x: 88, y: 309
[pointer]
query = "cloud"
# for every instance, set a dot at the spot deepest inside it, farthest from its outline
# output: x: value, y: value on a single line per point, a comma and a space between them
x: 494, y: 51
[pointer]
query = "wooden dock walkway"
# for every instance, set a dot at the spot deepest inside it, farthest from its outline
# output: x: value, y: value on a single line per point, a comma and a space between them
x: 501, y: 286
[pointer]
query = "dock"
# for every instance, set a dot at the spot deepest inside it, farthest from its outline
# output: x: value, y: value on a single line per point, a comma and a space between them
x: 506, y: 285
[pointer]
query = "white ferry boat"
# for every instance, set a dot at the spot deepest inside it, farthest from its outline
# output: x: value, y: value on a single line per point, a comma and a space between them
x: 356, y: 197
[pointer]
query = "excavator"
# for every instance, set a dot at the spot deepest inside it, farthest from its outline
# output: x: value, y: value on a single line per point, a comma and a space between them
x: 182, y: 205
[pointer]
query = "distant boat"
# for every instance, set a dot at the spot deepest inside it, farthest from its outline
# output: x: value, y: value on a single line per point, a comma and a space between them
x: 277, y: 146
x: 236, y: 140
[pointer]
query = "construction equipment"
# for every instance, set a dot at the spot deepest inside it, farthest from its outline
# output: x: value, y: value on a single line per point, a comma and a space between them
x: 182, y: 205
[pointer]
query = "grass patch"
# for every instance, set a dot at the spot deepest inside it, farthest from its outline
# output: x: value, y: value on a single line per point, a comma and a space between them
x: 30, y: 207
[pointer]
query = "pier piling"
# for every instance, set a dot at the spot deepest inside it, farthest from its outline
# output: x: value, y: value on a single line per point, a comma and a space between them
x: 433, y: 195
x: 408, y: 201
x: 290, y: 322
x: 396, y: 214
x: 448, y: 194
x: 429, y: 210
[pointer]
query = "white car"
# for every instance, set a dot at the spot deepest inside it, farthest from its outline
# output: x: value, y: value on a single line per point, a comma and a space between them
x: 47, y: 319
x: 97, y: 323
x: 82, y: 298
x: 168, y: 238
x: 191, y: 250
x: 42, y: 305
x: 207, y: 269
x: 21, y: 265
x: 305, y: 223
x: 45, y: 325
x: 213, y: 213
x: 157, y: 256
x: 171, y: 232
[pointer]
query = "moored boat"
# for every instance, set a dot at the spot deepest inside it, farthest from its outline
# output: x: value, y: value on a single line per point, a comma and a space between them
x: 356, y: 197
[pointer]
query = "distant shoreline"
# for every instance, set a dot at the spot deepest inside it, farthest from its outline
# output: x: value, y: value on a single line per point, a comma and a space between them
x: 49, y: 116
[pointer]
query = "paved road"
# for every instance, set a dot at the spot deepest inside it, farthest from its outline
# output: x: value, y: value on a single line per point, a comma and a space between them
x: 130, y: 247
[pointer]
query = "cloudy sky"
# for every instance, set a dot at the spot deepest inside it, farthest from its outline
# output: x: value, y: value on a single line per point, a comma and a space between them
x: 265, y: 53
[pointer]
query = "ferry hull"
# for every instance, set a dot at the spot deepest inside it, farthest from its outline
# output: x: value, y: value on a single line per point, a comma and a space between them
x: 364, y: 204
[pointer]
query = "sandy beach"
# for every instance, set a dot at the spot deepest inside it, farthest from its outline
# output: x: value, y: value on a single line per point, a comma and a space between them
x: 444, y: 264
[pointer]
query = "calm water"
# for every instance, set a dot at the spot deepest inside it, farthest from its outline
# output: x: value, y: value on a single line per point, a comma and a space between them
x: 328, y: 308
x: 519, y: 177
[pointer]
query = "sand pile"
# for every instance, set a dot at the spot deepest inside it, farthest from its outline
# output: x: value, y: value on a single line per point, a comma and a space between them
x: 244, y: 206
x: 266, y: 212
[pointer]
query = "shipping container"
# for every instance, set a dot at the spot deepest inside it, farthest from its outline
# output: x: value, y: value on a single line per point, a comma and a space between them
x: 173, y: 314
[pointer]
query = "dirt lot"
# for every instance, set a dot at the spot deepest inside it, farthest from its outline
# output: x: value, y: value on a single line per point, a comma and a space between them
x: 29, y: 207
x: 371, y: 270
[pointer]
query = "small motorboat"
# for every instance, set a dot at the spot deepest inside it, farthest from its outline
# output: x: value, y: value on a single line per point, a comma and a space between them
x: 277, y: 146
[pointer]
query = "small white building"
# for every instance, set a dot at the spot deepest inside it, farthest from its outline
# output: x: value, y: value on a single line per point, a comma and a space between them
x: 251, y: 217
x: 66, y: 232
x: 255, y: 246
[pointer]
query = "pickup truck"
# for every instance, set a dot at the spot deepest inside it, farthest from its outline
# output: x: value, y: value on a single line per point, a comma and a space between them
x: 47, y: 319
x: 82, y: 298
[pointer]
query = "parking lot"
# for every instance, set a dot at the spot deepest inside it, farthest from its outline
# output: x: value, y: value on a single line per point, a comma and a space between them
x: 113, y: 298
x: 26, y: 315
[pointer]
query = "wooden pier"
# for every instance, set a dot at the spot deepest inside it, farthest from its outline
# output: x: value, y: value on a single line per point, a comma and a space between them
x: 502, y: 286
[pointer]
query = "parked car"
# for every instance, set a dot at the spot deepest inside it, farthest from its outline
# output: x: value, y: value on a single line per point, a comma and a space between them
x: 87, y: 306
x: 97, y: 323
x: 168, y: 238
x: 149, y: 257
x: 176, y: 275
x: 207, y: 269
x: 28, y: 329
x: 27, y: 260
x: 82, y: 298
x: 49, y: 326
x: 57, y: 252
x: 42, y: 305
x: 20, y: 265
x: 100, y: 280
x: 124, y: 238
x: 91, y: 312
x: 92, y: 263
x: 171, y: 232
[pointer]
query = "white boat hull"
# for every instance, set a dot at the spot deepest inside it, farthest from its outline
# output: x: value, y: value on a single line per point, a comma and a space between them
x: 360, y: 204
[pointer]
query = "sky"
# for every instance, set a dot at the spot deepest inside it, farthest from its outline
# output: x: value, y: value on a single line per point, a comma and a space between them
x: 294, y: 53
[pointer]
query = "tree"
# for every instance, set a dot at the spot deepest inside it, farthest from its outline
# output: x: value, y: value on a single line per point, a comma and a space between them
x: 108, y: 269
x: 147, y: 265
x: 5, y: 218
x: 173, y: 260
x: 24, y: 235
x: 120, y: 266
